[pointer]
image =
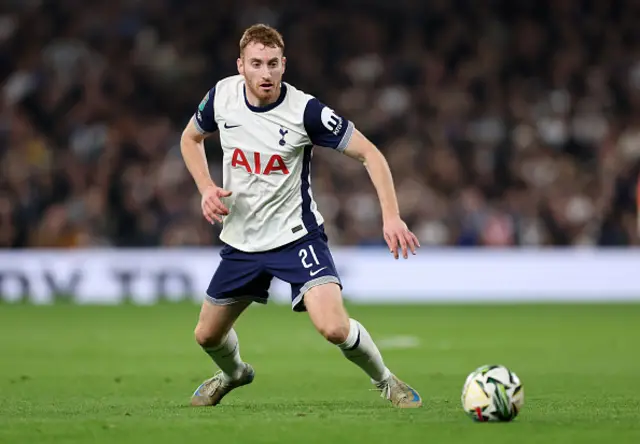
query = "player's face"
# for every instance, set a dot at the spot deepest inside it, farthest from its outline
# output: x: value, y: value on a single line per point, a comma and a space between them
x: 262, y: 68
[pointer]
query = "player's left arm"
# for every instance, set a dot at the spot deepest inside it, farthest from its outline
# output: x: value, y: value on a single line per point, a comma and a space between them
x: 396, y: 232
x: 326, y: 128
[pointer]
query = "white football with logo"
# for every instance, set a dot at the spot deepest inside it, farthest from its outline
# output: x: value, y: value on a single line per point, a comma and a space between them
x: 492, y: 393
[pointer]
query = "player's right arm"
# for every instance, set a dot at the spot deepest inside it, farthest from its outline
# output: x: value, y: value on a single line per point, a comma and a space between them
x: 200, y: 126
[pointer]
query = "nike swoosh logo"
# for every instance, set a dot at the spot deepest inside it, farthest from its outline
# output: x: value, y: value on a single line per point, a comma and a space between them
x: 230, y: 126
x: 313, y: 273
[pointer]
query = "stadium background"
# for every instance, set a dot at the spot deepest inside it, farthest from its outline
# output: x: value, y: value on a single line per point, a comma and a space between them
x: 505, y: 123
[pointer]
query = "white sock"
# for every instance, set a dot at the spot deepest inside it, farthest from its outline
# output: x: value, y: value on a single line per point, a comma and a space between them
x: 227, y: 356
x: 360, y: 349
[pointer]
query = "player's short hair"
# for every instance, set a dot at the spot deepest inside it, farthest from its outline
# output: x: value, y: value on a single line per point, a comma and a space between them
x: 263, y: 34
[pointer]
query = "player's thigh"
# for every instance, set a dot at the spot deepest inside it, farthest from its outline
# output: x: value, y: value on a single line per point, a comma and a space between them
x: 240, y: 276
x: 215, y: 321
x: 305, y: 264
x: 327, y: 312
x: 239, y: 280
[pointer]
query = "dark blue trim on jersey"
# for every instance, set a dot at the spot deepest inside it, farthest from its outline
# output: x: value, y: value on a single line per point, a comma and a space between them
x: 269, y: 107
x: 308, y: 218
x: 205, y: 116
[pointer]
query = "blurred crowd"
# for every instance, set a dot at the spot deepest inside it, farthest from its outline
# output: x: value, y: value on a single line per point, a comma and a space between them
x: 504, y: 122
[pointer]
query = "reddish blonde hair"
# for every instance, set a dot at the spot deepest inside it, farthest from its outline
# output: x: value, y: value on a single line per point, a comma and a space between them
x: 263, y: 34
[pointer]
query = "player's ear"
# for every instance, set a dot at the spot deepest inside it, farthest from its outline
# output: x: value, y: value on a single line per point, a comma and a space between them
x: 240, y: 66
x: 284, y: 64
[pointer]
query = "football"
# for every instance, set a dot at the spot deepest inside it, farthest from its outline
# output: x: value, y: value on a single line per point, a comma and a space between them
x: 492, y: 393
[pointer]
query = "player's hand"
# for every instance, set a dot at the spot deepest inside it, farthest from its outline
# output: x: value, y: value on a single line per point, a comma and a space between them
x: 212, y: 206
x: 399, y: 238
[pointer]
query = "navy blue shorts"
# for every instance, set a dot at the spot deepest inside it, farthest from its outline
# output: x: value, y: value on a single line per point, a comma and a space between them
x: 303, y: 264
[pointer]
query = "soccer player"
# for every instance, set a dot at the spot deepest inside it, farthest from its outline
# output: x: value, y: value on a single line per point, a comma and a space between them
x: 271, y: 224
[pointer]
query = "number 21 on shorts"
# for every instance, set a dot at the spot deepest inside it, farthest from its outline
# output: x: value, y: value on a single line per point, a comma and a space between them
x: 304, y: 254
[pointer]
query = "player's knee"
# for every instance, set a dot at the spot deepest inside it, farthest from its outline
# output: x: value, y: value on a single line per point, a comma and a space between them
x: 207, y: 336
x: 336, y: 333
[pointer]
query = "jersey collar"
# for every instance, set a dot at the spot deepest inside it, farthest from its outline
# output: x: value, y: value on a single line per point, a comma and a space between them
x: 262, y: 109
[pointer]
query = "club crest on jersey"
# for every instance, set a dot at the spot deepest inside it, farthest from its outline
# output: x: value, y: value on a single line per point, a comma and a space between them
x: 283, y: 133
x: 275, y: 163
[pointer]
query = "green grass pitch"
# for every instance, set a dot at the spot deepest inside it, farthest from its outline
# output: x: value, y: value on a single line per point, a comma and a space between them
x: 124, y: 374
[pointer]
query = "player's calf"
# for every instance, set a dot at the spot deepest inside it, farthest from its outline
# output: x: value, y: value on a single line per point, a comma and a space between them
x: 214, y: 333
x: 327, y: 312
x: 226, y: 354
x: 360, y: 349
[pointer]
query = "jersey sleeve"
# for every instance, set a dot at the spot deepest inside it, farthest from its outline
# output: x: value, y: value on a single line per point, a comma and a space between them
x: 204, y: 118
x: 326, y: 128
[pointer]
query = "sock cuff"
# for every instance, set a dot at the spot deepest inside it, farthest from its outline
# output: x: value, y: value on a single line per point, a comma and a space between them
x: 213, y: 348
x: 353, y: 338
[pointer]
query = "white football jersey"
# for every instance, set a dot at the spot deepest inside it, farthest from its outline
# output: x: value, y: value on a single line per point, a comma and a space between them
x: 266, y: 161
